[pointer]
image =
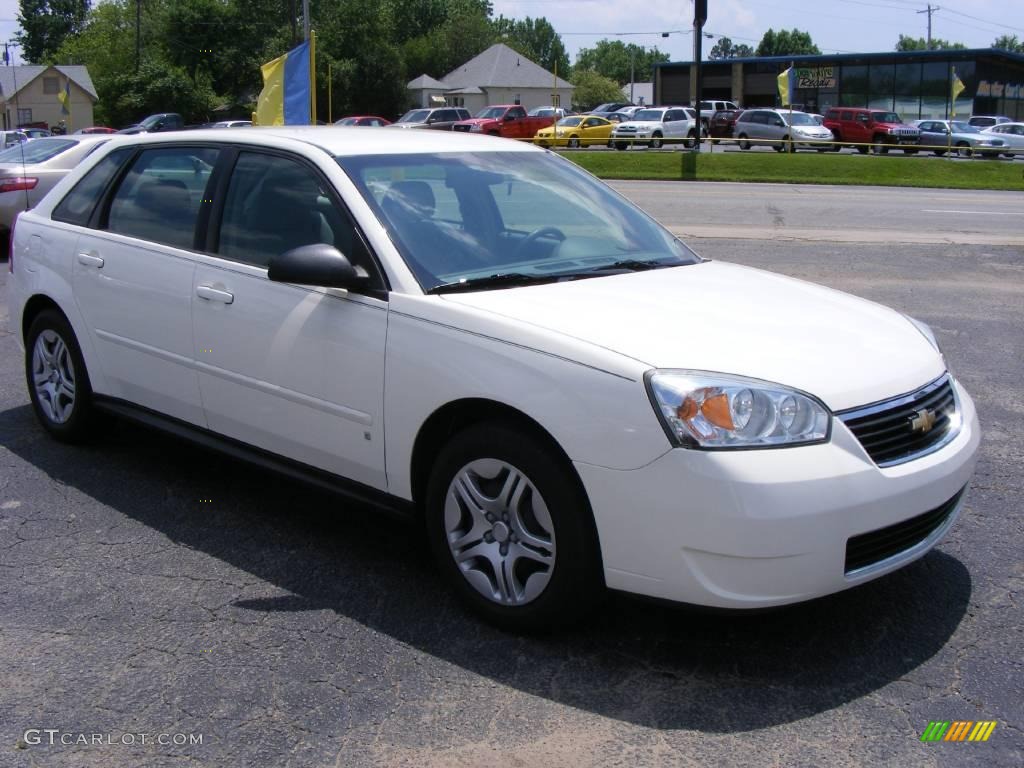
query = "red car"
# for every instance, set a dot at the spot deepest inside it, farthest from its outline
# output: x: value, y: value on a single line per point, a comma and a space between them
x: 363, y: 120
x: 723, y: 124
x: 96, y: 129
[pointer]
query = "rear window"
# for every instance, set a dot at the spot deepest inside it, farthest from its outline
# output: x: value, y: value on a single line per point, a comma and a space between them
x: 77, y: 206
x: 36, y: 151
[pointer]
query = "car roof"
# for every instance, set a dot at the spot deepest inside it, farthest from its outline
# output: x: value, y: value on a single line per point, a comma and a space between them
x: 340, y: 140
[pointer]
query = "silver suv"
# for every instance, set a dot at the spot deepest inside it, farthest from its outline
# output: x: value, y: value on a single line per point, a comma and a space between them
x: 782, y: 129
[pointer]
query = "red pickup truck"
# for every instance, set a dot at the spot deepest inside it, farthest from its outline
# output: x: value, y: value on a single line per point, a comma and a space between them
x: 508, y: 120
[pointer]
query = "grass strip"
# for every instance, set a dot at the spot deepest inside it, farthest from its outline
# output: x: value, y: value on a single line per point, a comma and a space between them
x: 804, y: 168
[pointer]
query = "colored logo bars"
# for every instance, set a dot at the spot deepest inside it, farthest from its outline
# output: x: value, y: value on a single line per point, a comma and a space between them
x: 958, y: 730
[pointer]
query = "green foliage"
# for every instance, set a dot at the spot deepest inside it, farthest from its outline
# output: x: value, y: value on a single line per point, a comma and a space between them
x: 614, y: 59
x: 593, y: 89
x: 727, y: 49
x: 157, y: 87
x: 907, y: 43
x: 1009, y: 43
x: 536, y: 39
x: 790, y: 42
x: 464, y: 32
x: 46, y: 24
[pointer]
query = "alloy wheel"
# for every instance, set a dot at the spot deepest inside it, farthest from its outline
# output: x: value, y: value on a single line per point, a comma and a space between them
x: 499, y: 532
x: 53, y: 376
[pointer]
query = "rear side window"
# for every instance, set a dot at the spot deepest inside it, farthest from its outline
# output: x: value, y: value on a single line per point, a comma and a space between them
x: 847, y: 116
x: 160, y: 197
x: 77, y: 206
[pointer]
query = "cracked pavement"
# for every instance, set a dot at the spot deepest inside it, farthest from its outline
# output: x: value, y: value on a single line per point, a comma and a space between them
x: 291, y: 628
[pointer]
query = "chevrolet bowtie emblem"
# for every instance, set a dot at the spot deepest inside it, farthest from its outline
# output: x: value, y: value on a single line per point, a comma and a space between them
x: 923, y: 420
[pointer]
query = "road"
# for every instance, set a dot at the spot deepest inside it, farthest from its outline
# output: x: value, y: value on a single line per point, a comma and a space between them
x: 832, y: 213
x: 149, y: 588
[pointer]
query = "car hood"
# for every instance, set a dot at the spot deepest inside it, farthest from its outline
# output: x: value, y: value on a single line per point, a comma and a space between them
x: 722, y: 317
x: 640, y: 124
x: 478, y: 121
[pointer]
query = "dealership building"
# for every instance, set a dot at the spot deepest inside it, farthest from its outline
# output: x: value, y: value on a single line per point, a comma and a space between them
x: 916, y: 84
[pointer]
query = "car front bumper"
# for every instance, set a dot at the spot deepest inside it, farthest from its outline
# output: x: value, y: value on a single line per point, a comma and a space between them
x: 759, y: 528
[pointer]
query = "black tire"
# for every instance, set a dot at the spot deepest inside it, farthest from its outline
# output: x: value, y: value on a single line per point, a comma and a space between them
x: 621, y: 145
x: 909, y: 150
x: 656, y: 142
x: 963, y: 149
x: 939, y: 152
x: 691, y: 140
x: 878, y: 146
x: 78, y: 422
x: 574, y: 142
x: 574, y: 582
x: 744, y: 142
x: 836, y: 139
x: 862, y: 149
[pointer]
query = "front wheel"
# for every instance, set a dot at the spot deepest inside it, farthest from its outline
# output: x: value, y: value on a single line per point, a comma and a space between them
x: 511, y: 529
x: 574, y: 142
x: 744, y: 142
x: 621, y: 145
x: 878, y: 146
x: 656, y: 141
x: 58, y: 383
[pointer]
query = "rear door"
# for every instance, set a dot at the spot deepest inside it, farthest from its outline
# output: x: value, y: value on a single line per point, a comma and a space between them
x: 133, y: 278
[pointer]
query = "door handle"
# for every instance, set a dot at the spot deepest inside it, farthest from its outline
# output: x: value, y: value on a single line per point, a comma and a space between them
x: 88, y: 260
x: 210, y: 293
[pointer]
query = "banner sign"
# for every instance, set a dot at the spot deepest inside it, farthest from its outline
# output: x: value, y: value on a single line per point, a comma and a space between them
x: 815, y: 77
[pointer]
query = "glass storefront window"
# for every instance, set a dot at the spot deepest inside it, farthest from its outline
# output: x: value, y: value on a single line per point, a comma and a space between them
x: 934, y: 89
x: 908, y: 91
x: 881, y: 83
x: 965, y: 101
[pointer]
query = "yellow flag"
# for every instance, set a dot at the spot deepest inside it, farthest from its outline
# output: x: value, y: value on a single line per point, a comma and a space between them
x: 958, y: 88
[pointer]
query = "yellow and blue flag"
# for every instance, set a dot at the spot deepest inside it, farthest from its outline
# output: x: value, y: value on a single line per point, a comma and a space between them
x: 285, y: 97
x: 786, y: 86
x: 64, y: 97
x: 958, y: 87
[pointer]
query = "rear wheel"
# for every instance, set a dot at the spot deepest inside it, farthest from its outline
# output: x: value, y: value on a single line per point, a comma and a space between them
x: 862, y: 149
x: 744, y: 142
x: 58, y: 383
x: 574, y: 142
x: 511, y: 529
x: 691, y: 140
x: 878, y: 146
x: 656, y: 141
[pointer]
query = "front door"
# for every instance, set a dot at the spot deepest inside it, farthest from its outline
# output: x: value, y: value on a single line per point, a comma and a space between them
x: 295, y: 370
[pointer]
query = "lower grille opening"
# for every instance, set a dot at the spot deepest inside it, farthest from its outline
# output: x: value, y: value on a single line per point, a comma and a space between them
x: 876, y: 546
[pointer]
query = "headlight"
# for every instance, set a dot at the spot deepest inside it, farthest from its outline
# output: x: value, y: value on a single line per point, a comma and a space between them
x: 475, y: 128
x: 712, y: 410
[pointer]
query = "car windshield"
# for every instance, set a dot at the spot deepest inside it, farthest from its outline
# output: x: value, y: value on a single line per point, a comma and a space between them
x: 348, y: 121
x: 964, y: 128
x: 649, y: 114
x: 491, y: 113
x: 541, y: 112
x: 570, y: 121
x: 415, y: 116
x: 152, y: 120
x: 36, y: 151
x: 885, y: 117
x: 610, y: 106
x: 800, y: 118
x: 470, y: 216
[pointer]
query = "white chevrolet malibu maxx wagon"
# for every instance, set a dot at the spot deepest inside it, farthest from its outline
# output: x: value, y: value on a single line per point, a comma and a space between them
x: 479, y: 333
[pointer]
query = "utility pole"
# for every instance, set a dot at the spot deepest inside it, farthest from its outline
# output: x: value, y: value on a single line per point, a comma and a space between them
x: 305, y: 19
x: 138, y: 33
x: 930, y: 10
x: 700, y: 15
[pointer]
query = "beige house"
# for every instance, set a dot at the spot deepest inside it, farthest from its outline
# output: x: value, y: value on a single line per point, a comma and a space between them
x: 499, y: 75
x: 30, y: 94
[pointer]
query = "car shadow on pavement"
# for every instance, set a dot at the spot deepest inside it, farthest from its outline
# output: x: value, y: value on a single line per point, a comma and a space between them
x: 643, y: 663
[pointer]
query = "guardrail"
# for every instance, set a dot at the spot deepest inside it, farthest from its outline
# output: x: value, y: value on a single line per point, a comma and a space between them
x: 960, y: 149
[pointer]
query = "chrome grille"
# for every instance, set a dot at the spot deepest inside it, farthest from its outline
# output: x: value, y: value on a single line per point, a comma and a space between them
x: 897, y: 430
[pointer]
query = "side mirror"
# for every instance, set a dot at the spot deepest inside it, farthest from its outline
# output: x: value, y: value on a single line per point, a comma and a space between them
x: 317, y: 264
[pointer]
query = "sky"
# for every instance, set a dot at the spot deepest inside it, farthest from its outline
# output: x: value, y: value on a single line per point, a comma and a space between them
x: 836, y: 26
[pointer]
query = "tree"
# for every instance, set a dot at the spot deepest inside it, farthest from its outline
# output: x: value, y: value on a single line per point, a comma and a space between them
x: 1009, y: 43
x: 593, y: 89
x: 46, y: 24
x: 536, y: 39
x: 907, y: 43
x: 614, y: 59
x: 726, y: 49
x: 791, y: 42
x: 465, y: 31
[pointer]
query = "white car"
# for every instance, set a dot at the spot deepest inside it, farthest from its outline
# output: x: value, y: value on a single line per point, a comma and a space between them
x: 478, y: 333
x: 1012, y: 134
x: 655, y: 126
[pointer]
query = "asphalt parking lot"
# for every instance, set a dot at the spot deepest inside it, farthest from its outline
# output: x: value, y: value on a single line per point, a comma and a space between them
x: 150, y: 589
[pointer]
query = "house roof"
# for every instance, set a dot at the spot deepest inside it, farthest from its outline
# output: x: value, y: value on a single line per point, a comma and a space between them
x: 15, y: 79
x: 425, y: 81
x: 500, y: 66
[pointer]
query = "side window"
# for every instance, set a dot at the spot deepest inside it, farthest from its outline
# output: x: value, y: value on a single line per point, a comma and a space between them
x: 517, y: 113
x: 160, y: 197
x: 275, y: 204
x: 862, y: 117
x: 847, y: 116
x: 77, y: 206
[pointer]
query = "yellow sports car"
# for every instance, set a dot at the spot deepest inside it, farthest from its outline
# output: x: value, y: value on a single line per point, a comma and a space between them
x: 575, y: 131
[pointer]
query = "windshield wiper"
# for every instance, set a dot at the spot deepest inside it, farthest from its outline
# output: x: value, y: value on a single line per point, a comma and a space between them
x: 630, y: 265
x: 504, y: 280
